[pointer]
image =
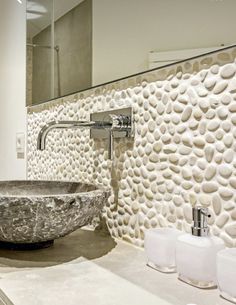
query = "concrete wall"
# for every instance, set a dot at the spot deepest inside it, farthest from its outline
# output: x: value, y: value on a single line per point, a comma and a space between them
x: 125, y: 31
x: 12, y: 87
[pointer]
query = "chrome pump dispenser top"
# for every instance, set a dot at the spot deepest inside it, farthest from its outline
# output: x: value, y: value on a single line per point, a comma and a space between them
x: 200, y: 227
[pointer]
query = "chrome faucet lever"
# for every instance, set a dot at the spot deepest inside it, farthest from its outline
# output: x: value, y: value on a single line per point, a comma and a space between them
x: 120, y: 122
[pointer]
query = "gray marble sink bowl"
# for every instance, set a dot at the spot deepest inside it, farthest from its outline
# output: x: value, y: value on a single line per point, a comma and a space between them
x: 41, y: 211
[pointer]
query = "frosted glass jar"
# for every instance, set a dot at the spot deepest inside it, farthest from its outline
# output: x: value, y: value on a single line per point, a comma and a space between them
x: 196, y: 259
x: 159, y: 245
x: 226, y: 273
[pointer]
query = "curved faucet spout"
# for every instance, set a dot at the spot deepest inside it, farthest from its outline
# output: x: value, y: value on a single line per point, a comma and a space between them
x: 41, y: 141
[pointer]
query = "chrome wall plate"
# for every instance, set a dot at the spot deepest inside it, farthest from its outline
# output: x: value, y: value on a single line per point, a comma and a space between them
x: 104, y: 116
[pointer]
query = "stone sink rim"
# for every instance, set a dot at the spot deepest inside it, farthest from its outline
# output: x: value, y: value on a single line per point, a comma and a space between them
x: 98, y: 188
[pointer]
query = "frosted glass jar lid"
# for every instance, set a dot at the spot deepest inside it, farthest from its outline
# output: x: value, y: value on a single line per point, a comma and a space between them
x: 163, y: 232
x: 228, y: 253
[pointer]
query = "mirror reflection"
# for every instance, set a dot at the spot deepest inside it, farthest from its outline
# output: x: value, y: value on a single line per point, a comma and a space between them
x: 73, y: 45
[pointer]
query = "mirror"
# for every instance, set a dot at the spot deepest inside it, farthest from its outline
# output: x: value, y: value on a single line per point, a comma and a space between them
x: 73, y: 45
x: 59, y: 48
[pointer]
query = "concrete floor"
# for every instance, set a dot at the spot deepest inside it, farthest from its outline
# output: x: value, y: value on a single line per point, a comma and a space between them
x: 86, y: 268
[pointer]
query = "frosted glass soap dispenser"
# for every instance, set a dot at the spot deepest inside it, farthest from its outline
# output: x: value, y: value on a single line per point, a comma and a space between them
x: 196, y: 253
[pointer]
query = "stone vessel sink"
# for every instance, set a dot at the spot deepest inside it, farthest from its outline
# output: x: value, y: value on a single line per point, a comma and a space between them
x: 37, y: 212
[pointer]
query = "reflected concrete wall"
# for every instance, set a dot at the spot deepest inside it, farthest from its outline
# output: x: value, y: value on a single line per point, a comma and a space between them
x: 29, y: 74
x: 41, y: 70
x: 73, y: 60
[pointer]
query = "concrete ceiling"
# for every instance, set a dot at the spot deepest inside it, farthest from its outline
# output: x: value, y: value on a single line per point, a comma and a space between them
x: 39, y: 13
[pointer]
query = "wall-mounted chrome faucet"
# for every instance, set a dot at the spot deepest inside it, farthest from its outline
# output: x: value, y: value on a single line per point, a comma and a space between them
x: 109, y: 124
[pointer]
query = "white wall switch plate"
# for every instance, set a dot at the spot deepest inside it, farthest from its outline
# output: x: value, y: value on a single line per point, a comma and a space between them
x: 20, y: 142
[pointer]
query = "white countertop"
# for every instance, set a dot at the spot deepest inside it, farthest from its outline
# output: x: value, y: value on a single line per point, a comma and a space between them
x: 119, y: 277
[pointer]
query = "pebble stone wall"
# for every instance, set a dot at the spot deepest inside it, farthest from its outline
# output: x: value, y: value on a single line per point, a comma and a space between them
x: 183, y: 152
